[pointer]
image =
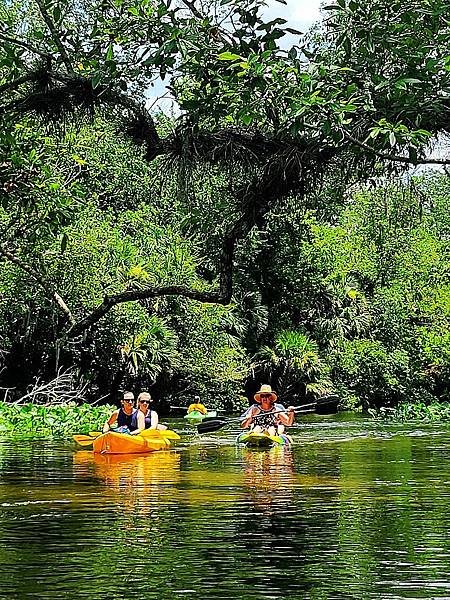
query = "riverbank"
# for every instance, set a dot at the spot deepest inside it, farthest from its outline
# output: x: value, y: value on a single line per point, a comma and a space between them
x: 61, y: 420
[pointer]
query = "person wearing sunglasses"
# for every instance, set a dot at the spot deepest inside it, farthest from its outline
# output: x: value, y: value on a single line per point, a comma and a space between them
x: 145, y: 417
x: 121, y: 419
x: 266, y: 415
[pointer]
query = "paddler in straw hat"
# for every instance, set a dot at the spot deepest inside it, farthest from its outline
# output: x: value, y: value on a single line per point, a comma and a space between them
x: 259, y: 417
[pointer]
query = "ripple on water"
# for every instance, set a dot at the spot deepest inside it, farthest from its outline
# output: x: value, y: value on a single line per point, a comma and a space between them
x: 356, y: 510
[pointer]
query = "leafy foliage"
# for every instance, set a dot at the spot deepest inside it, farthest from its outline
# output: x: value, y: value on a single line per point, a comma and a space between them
x: 245, y: 226
x: 51, y: 421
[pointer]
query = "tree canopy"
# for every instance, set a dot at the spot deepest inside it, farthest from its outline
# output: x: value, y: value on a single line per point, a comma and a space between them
x: 371, y: 83
x: 106, y: 201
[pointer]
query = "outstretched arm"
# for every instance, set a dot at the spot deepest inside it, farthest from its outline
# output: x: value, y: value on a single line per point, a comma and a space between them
x: 108, y: 423
x: 248, y: 417
x: 287, y: 418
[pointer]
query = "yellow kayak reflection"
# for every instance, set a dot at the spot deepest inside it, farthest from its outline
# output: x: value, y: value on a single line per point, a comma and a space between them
x: 137, y: 471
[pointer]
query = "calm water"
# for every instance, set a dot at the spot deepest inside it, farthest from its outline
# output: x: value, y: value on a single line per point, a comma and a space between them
x: 355, y: 510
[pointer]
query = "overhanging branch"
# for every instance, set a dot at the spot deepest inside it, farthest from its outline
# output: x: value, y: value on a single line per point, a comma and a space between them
x: 134, y: 294
x: 395, y: 157
x: 55, y: 36
x: 286, y: 172
x: 26, y: 45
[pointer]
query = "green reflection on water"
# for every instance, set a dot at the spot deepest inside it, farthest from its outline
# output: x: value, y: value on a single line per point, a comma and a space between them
x: 355, y: 510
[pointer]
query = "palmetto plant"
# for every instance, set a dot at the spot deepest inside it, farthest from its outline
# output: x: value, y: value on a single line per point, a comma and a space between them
x: 347, y: 314
x: 151, y: 350
x: 294, y: 362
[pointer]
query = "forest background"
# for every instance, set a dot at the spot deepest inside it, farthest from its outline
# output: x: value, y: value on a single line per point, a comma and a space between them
x: 275, y: 228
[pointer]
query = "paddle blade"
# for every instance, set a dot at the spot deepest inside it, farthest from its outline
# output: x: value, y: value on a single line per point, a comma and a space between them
x: 170, y: 435
x: 95, y: 434
x: 83, y: 440
x: 207, y: 426
x: 160, y: 433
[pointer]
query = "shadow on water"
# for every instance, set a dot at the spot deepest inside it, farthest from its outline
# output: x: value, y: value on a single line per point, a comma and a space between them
x: 356, y: 509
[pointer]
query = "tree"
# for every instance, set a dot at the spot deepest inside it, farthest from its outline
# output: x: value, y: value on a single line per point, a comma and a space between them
x: 276, y: 120
x: 295, y: 364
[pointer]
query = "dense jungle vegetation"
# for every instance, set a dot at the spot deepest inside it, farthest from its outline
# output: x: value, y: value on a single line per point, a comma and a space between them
x: 272, y: 231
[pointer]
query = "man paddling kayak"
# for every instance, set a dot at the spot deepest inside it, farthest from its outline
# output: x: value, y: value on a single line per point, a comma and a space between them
x: 121, y: 418
x: 260, y: 418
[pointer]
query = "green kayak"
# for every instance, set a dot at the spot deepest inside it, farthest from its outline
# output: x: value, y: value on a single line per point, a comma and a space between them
x: 262, y: 440
x: 195, y: 416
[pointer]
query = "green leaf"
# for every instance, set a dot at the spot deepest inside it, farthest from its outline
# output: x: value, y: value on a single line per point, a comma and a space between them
x: 96, y: 80
x: 229, y: 56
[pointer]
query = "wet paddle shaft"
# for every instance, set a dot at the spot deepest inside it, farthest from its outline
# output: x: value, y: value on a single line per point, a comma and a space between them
x: 210, y: 425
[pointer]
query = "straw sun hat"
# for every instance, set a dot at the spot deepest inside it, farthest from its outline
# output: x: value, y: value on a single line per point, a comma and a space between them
x: 265, y: 389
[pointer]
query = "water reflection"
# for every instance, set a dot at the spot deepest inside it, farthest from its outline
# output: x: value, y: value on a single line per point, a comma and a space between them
x: 120, y: 471
x: 270, y: 477
x: 353, y: 510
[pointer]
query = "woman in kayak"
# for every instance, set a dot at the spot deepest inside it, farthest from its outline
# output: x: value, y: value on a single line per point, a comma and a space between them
x: 260, y: 416
x: 120, y: 420
x: 144, y: 417
x: 197, y: 406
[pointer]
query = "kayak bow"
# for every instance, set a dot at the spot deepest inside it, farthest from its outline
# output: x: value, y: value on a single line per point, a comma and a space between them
x: 262, y: 440
x: 195, y: 416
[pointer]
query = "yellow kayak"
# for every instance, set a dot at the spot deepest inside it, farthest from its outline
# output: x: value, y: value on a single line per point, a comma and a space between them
x: 121, y: 443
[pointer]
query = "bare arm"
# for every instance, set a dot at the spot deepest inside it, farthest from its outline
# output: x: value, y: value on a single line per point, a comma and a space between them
x: 249, y: 419
x: 112, y: 419
x: 154, y: 420
x: 287, y: 418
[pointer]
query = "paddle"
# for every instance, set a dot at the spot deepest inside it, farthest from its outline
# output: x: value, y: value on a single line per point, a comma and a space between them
x: 165, y: 433
x: 210, y: 425
x: 83, y: 440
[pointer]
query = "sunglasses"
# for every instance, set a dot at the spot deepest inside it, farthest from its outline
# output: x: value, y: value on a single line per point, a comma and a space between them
x: 143, y: 401
x: 128, y: 401
x: 265, y: 395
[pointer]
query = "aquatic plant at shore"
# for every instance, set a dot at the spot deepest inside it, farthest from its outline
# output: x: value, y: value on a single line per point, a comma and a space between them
x: 409, y: 411
x: 51, y: 421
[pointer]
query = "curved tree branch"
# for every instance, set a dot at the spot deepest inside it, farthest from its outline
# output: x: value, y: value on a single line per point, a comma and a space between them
x: 286, y: 172
x: 26, y: 45
x: 55, y: 36
x: 10, y: 86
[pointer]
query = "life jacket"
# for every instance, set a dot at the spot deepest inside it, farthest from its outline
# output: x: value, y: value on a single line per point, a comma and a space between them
x: 264, y: 419
x: 134, y: 420
x: 124, y: 420
x: 201, y: 408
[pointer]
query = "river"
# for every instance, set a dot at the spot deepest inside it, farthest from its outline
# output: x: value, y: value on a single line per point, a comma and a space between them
x: 356, y: 509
